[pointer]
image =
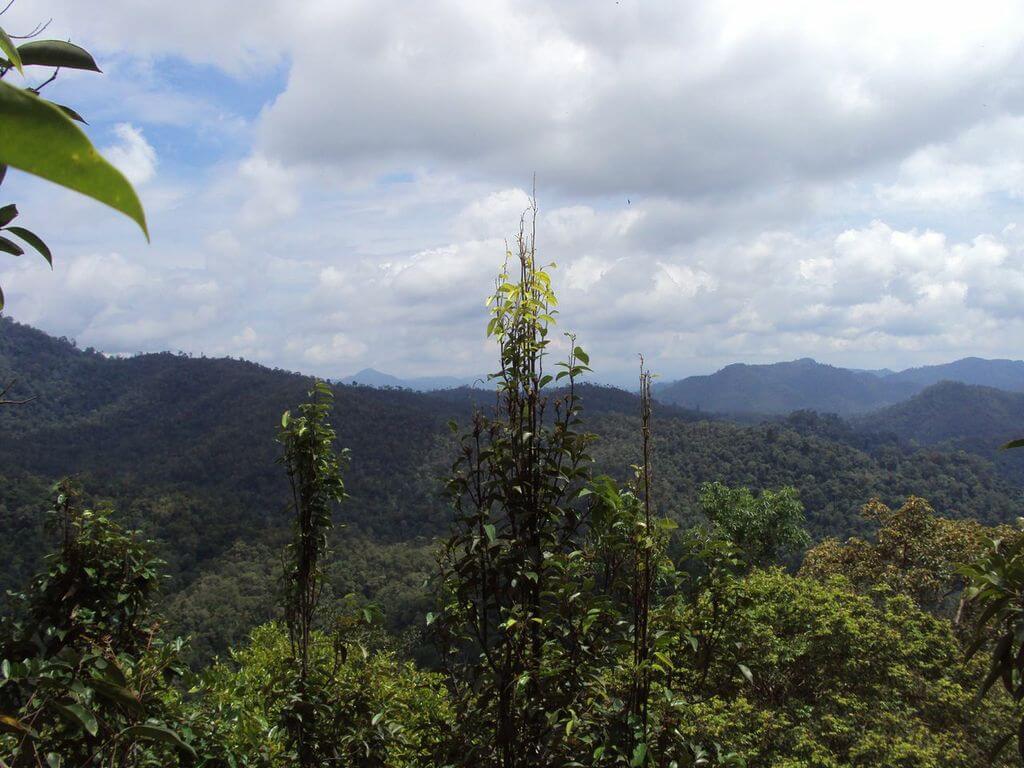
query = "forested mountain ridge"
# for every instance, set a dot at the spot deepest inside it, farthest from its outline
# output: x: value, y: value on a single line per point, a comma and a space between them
x: 209, y: 563
x: 1000, y: 374
x: 968, y: 417
x: 973, y: 415
x: 784, y: 387
x: 805, y: 384
x: 185, y: 446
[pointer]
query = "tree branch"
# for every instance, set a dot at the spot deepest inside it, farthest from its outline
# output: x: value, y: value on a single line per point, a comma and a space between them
x: 4, y: 400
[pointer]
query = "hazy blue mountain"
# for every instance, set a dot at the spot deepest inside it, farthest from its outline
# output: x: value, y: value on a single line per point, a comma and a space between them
x: 1001, y: 374
x: 952, y: 410
x: 370, y: 377
x: 879, y: 372
x: 784, y: 387
x: 804, y: 384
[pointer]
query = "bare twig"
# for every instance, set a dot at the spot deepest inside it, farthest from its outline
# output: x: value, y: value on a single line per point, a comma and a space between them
x: 46, y: 82
x: 4, y: 400
x: 38, y: 30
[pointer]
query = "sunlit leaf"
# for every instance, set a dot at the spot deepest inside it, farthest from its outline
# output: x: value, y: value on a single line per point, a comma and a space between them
x: 42, y: 140
x: 10, y: 51
x: 14, y: 725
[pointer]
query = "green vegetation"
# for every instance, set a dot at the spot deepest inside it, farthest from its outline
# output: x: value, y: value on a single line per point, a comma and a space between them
x: 533, y: 574
x: 614, y: 597
x: 86, y: 672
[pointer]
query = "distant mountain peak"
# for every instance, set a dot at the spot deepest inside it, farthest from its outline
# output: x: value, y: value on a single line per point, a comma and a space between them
x: 806, y: 384
x: 371, y: 377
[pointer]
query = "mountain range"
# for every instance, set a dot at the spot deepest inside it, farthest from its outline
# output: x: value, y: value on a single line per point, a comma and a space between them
x: 184, y: 448
x: 777, y: 388
x: 805, y: 384
x: 370, y: 377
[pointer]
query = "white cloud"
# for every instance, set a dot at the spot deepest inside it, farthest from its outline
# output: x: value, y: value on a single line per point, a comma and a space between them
x: 132, y: 155
x: 718, y: 180
x: 271, y: 193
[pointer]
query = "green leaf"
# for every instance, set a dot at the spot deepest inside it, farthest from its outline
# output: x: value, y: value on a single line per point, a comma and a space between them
x: 582, y: 356
x: 76, y: 713
x: 491, y: 532
x: 56, y: 53
x: 35, y: 241
x: 151, y: 732
x: 639, y: 755
x: 10, y: 51
x: 1019, y: 443
x: 8, y: 246
x: 8, y: 213
x: 40, y: 139
x: 70, y: 112
x: 53, y: 760
x: 119, y: 695
x: 746, y: 673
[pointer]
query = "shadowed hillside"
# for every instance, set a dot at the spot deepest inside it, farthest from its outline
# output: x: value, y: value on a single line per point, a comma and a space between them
x: 785, y: 387
x: 961, y: 416
x: 185, y: 446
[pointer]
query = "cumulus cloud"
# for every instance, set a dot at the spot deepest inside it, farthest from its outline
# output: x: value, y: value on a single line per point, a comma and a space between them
x: 651, y: 98
x: 718, y: 180
x: 132, y: 155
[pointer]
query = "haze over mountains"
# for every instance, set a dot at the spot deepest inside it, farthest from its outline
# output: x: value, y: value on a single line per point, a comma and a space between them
x: 185, y: 447
x: 779, y: 388
x: 370, y: 377
x: 808, y: 385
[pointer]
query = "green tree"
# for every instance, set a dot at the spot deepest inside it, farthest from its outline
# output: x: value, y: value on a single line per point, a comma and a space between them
x: 836, y: 679
x: 514, y: 487
x: 84, y: 669
x: 314, y: 474
x: 381, y: 711
x: 997, y: 592
x: 913, y: 551
x: 765, y: 528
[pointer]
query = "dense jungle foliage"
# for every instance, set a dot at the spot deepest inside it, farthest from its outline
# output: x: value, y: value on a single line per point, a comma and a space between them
x: 535, y: 573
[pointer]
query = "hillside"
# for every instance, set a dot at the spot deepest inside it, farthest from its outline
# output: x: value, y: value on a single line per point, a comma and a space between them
x: 185, y: 448
x: 785, y: 387
x: 1001, y: 374
x: 959, y: 416
x: 780, y: 388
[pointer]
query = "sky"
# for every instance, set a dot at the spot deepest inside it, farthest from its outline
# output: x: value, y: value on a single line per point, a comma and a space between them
x: 330, y: 184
